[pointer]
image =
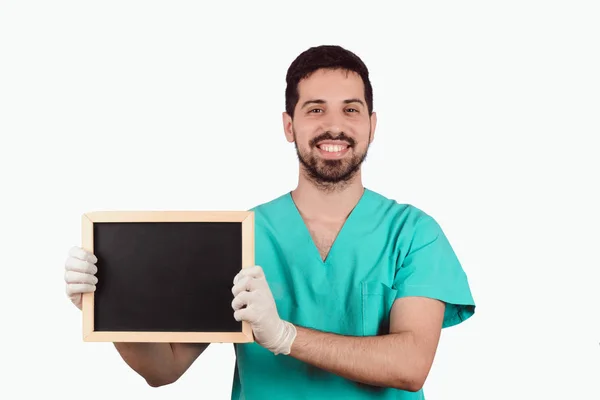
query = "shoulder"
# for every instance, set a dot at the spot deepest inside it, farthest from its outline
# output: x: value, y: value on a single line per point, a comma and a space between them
x: 404, y: 216
x: 270, y: 206
x: 410, y: 226
x: 270, y: 211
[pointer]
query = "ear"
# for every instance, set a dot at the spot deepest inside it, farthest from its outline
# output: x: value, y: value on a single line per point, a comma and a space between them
x: 287, y: 127
x: 373, y: 125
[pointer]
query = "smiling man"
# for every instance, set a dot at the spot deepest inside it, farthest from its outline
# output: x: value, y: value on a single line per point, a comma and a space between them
x: 331, y: 156
x: 352, y: 289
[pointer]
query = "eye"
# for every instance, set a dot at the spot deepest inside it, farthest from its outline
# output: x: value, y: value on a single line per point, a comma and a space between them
x: 314, y: 110
x: 352, y: 109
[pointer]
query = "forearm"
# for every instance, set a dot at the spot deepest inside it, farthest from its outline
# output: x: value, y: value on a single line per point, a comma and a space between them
x: 388, y: 361
x: 158, y: 363
x: 153, y: 361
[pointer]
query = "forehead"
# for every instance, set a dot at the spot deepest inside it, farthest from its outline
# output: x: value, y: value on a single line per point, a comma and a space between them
x: 325, y: 83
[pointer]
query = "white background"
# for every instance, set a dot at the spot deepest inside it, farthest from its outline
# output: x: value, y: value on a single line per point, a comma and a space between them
x: 488, y: 115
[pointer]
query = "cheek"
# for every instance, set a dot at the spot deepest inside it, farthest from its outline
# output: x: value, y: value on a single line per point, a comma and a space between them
x: 305, y: 132
x: 365, y: 131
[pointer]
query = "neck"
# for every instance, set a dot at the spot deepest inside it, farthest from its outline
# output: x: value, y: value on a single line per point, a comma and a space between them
x: 327, y: 203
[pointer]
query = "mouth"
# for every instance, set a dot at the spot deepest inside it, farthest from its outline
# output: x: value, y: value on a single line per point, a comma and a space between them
x: 333, y: 149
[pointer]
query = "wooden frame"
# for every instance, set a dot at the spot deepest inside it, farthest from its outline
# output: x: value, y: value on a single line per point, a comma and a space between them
x: 246, y: 218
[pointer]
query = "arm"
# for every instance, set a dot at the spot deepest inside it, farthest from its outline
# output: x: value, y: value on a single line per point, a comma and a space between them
x: 160, y: 363
x: 401, y: 359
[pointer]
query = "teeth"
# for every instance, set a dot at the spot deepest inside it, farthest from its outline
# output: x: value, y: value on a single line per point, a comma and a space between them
x: 332, y: 148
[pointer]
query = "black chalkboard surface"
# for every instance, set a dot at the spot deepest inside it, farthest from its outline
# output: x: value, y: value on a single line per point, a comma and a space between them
x: 166, y: 276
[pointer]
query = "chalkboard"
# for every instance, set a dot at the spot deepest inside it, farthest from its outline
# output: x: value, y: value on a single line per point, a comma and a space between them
x: 166, y: 276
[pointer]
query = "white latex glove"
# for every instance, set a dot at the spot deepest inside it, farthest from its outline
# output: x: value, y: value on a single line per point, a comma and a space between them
x: 80, y: 271
x: 252, y: 290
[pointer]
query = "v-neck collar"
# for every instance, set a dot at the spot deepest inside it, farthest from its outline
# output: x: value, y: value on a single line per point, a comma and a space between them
x: 346, y: 228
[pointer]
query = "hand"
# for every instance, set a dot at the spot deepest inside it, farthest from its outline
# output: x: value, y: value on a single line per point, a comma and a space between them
x: 80, y: 271
x: 252, y: 291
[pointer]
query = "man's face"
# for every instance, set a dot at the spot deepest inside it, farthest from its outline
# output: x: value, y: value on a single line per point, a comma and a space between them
x: 331, y: 128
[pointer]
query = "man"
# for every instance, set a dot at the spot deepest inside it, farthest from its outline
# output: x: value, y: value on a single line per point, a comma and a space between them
x: 351, y: 289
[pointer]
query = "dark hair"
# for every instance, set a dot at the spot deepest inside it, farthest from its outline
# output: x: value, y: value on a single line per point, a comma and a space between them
x: 328, y: 57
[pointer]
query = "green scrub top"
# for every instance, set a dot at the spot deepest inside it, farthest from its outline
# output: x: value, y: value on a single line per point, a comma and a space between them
x: 384, y: 251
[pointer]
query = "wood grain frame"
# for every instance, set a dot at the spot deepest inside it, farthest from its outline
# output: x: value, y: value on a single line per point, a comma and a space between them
x: 246, y: 218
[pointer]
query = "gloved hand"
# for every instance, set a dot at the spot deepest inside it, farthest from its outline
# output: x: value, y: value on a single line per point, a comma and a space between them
x: 252, y: 290
x: 80, y: 271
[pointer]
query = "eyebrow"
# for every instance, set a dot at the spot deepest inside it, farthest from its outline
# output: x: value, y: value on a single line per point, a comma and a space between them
x: 320, y: 101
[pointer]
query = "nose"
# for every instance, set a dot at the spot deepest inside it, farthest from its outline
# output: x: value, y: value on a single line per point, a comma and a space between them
x: 333, y: 123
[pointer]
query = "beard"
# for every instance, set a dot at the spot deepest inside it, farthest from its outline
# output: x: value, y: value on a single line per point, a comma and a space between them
x: 330, y: 173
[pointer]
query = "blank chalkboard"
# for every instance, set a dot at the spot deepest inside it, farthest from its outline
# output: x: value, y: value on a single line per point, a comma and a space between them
x: 166, y: 276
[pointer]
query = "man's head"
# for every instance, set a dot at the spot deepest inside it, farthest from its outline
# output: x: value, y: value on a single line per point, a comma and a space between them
x: 329, y: 113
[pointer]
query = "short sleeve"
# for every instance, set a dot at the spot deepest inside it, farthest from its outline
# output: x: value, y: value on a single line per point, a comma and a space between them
x: 430, y: 268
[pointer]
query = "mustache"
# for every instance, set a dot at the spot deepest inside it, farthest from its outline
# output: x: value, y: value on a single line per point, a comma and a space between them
x: 328, y: 136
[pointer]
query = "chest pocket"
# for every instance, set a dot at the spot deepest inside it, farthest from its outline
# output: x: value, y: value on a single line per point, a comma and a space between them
x: 361, y: 309
x: 376, y: 300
